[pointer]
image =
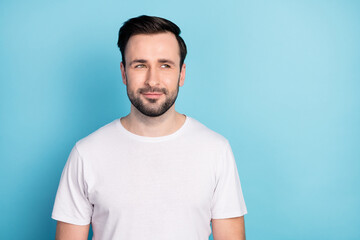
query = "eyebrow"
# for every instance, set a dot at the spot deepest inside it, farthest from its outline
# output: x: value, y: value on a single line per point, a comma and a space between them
x: 138, y: 61
x: 162, y: 60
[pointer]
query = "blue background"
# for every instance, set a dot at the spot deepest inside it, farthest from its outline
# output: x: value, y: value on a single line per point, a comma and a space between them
x: 279, y: 79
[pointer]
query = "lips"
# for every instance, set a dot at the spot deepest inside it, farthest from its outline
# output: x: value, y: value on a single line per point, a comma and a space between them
x: 152, y: 95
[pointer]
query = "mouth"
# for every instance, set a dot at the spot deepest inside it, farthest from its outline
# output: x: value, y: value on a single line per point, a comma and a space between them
x: 152, y: 95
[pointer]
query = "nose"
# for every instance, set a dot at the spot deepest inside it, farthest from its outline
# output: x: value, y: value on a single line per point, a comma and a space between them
x: 152, y: 78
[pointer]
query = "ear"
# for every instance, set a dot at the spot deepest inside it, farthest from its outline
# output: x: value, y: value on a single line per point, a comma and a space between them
x: 123, y: 73
x: 182, y: 75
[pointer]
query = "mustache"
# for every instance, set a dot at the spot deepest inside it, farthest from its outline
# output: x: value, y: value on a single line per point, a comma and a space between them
x: 150, y: 89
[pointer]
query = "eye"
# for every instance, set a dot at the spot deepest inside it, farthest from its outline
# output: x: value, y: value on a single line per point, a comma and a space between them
x: 165, y: 66
x: 140, y: 66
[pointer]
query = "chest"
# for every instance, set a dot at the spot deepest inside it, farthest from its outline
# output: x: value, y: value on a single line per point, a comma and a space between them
x: 153, y: 182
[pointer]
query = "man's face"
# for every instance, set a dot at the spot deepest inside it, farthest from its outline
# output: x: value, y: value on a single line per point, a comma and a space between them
x: 152, y: 74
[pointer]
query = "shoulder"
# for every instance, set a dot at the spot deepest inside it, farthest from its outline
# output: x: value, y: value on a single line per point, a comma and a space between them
x: 204, y: 134
x: 99, y: 138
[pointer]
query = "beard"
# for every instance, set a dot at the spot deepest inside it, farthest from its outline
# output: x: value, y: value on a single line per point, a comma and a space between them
x: 152, y: 109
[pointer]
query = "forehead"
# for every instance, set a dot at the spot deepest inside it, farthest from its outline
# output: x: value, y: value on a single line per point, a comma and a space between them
x: 152, y: 46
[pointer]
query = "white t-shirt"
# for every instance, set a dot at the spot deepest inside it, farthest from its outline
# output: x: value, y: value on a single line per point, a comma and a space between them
x: 131, y: 187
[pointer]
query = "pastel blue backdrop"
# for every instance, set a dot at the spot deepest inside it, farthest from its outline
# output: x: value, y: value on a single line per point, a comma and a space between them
x: 279, y: 79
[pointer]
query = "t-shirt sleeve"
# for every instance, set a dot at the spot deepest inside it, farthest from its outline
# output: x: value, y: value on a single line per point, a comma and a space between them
x: 228, y: 200
x: 71, y: 203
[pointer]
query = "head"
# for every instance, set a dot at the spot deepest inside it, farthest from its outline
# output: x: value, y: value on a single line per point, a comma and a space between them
x: 152, y: 64
x: 149, y: 25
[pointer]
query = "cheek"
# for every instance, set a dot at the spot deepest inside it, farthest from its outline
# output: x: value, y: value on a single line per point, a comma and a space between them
x: 135, y: 79
x: 170, y: 78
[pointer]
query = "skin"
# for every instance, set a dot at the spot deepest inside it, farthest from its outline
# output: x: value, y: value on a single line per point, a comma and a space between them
x: 153, y: 62
x: 66, y: 231
x: 229, y: 228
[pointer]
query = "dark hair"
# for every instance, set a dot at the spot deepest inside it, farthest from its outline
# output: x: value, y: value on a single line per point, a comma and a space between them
x: 149, y: 25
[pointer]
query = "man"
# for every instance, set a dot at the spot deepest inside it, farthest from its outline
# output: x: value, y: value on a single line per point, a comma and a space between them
x: 155, y: 173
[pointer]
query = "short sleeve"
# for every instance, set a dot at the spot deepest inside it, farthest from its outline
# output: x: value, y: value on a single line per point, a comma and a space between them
x: 71, y: 202
x: 228, y: 200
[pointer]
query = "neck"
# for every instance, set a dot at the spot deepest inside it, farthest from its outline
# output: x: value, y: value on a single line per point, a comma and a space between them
x: 163, y: 125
